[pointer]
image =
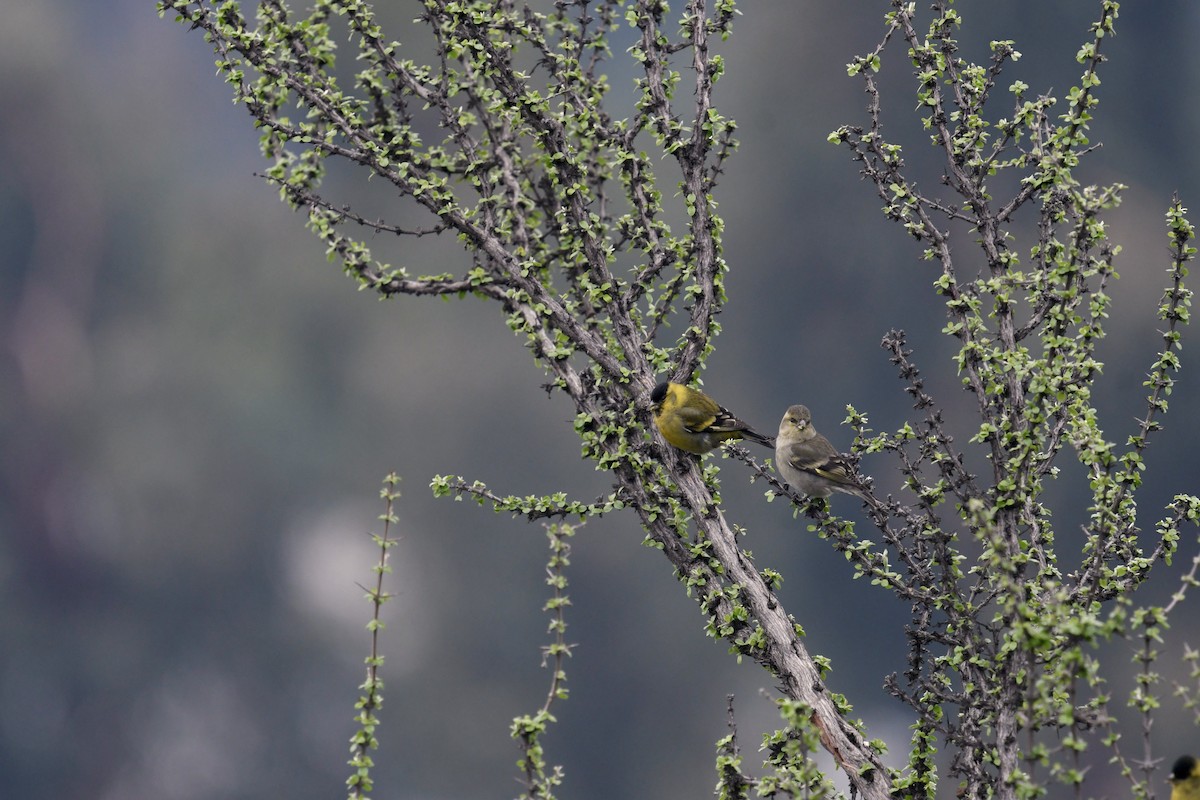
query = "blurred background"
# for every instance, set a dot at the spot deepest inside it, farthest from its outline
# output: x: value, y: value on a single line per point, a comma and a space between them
x: 197, y: 409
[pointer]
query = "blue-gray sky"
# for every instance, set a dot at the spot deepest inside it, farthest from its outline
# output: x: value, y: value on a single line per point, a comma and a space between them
x: 196, y: 411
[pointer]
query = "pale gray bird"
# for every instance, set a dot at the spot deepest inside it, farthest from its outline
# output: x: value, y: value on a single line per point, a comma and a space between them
x: 809, y: 463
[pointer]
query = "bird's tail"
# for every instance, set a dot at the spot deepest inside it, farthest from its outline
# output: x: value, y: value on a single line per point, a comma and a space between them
x: 755, y: 436
x: 863, y: 493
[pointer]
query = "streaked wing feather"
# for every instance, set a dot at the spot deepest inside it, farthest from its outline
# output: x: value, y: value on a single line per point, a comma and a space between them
x: 724, y: 421
x: 827, y: 465
x: 697, y: 419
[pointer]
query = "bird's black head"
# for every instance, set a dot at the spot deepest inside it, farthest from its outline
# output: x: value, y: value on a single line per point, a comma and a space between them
x: 1183, y: 769
x: 659, y: 393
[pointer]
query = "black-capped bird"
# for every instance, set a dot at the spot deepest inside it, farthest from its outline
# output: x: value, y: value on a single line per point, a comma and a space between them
x: 693, y: 421
x: 1185, y: 779
x: 809, y: 463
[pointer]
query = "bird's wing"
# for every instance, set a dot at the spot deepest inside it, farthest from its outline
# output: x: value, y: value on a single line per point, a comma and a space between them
x: 698, y: 419
x: 724, y: 421
x: 818, y: 457
x: 710, y: 420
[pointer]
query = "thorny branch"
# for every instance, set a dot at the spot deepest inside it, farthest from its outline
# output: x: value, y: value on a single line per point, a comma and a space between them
x: 506, y: 140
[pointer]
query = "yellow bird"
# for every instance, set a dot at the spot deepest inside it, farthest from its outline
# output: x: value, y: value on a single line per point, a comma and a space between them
x: 1185, y: 779
x: 693, y: 421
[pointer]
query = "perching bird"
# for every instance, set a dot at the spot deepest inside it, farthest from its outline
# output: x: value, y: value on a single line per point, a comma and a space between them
x: 693, y: 421
x: 1185, y: 779
x: 809, y: 463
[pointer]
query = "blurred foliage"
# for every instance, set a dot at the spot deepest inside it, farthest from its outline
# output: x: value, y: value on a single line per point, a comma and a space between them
x: 195, y: 409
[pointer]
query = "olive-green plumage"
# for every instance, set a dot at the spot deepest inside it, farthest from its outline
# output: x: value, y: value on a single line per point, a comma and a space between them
x: 1185, y: 779
x: 693, y: 421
